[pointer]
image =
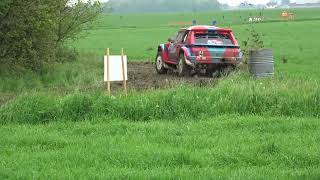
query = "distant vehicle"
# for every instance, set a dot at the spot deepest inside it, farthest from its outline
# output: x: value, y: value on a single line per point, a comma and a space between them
x: 208, y: 49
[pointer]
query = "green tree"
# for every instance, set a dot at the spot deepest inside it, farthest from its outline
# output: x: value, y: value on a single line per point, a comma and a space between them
x: 71, y: 20
x: 33, y: 32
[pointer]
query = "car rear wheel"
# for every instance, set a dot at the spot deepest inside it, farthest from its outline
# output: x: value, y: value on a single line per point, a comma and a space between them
x: 221, y: 71
x: 182, y: 67
x: 227, y: 70
x: 160, y: 64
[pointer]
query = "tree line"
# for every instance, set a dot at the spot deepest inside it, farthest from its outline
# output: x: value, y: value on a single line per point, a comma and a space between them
x: 132, y: 6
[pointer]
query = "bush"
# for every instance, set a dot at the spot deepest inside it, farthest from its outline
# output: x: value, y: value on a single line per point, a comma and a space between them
x: 32, y: 32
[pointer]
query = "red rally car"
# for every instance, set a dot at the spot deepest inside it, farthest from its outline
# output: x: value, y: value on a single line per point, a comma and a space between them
x: 199, y: 48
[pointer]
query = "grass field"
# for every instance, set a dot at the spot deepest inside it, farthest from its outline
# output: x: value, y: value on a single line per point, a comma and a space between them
x: 141, y: 34
x: 61, y: 124
x: 222, y: 147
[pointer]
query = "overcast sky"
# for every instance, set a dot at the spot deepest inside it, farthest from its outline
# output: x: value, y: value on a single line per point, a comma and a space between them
x: 237, y: 2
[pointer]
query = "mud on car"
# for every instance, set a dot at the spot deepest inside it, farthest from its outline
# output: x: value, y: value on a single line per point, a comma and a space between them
x: 207, y: 49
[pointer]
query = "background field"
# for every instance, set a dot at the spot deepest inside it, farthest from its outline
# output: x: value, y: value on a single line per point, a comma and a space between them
x: 141, y: 34
x: 60, y: 124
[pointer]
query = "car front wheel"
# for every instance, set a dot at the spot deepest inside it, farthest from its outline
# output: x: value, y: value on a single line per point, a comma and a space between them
x: 160, y: 64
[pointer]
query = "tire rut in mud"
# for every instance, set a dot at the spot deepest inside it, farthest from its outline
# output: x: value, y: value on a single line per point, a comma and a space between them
x: 142, y: 76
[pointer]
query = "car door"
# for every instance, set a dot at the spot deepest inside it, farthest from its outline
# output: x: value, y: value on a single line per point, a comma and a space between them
x: 175, y: 47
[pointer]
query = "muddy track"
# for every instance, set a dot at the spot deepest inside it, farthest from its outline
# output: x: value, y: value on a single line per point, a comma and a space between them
x: 142, y: 75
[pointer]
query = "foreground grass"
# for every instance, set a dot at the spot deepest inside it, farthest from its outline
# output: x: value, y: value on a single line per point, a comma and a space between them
x: 233, y: 147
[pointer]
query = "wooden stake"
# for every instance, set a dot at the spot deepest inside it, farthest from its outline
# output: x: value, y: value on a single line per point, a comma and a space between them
x: 108, y: 72
x: 124, y: 73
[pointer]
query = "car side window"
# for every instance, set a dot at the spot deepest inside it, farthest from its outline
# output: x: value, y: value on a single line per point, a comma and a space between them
x: 180, y: 37
x: 185, y: 37
x: 174, y: 37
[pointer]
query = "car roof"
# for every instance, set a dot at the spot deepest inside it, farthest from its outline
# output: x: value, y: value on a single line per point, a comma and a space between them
x: 205, y: 27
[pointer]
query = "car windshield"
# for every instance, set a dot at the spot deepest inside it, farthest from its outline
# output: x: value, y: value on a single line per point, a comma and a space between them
x: 213, y: 38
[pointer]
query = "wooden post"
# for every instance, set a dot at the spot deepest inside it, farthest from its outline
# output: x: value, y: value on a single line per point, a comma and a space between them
x: 124, y: 73
x: 108, y: 72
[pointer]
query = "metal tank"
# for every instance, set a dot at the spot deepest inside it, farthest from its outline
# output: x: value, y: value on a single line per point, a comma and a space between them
x: 261, y: 63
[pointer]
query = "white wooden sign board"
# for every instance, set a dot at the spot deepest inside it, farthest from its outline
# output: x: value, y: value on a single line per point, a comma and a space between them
x: 115, y: 69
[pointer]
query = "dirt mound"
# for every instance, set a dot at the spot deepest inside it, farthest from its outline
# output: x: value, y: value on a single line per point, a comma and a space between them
x: 142, y: 75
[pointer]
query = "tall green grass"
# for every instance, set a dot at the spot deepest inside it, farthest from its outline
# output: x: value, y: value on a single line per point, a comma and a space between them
x: 237, y: 95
